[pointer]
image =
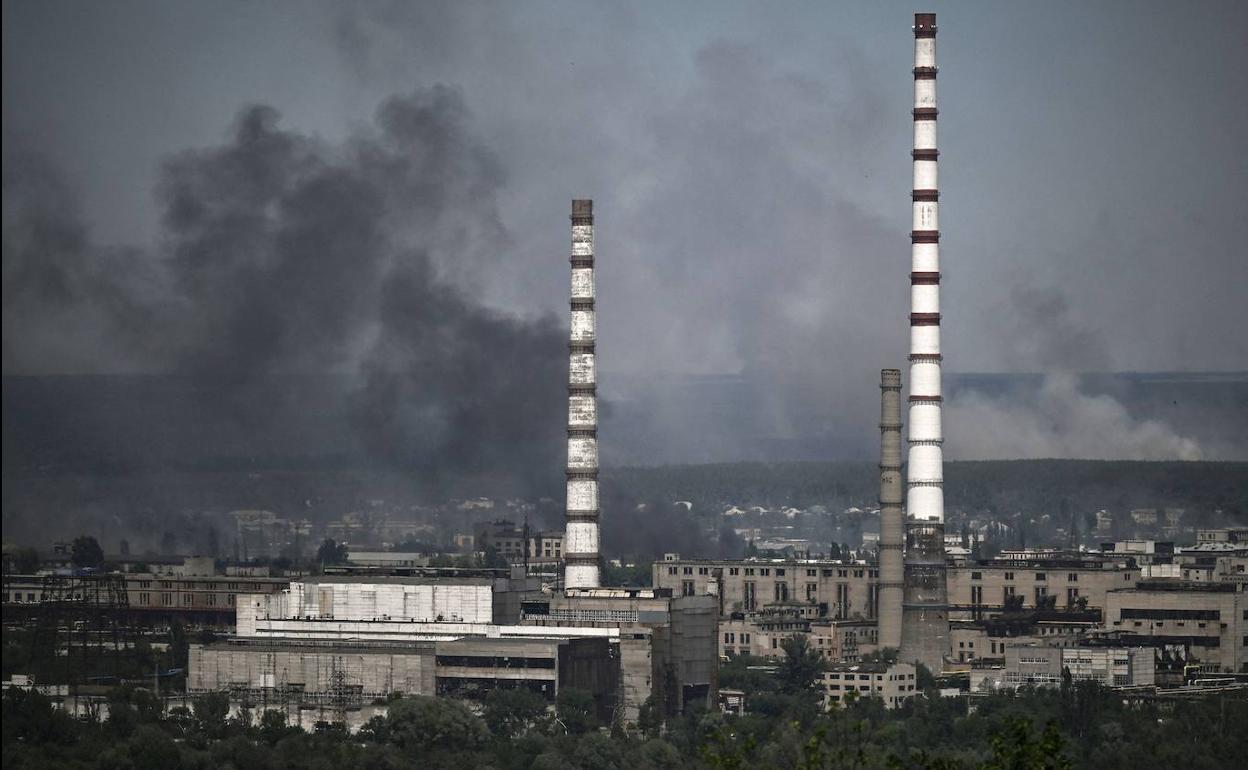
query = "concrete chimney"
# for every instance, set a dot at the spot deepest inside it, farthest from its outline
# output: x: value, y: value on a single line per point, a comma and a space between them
x: 892, y: 523
x: 581, y: 539
x: 925, y: 621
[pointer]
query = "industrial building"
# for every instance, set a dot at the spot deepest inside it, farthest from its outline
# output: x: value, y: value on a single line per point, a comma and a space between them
x: 1208, y: 621
x: 893, y: 683
x: 1040, y: 665
x: 837, y: 589
x: 977, y: 589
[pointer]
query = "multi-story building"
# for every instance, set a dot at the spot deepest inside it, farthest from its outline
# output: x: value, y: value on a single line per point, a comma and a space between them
x: 978, y: 589
x: 846, y: 641
x: 1225, y: 535
x: 893, y: 683
x: 1040, y: 664
x: 668, y: 650
x: 1208, y: 620
x: 517, y: 544
x: 977, y: 640
x: 198, y: 600
x: 838, y: 589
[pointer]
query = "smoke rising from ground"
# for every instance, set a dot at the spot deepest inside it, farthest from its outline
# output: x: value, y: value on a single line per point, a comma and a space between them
x: 751, y: 173
x: 283, y: 255
x: 1059, y: 420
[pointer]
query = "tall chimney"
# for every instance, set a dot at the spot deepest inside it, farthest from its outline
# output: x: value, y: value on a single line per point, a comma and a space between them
x: 892, y: 524
x: 581, y: 539
x: 925, y: 622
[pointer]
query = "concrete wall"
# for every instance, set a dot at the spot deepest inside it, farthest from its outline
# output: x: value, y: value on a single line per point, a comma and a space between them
x: 376, y: 672
x: 1091, y: 583
x: 847, y: 589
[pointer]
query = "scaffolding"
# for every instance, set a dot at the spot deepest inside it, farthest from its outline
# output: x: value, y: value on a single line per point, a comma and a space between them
x: 80, y: 632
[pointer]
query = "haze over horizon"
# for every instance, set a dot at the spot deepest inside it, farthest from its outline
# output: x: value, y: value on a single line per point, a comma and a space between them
x: 239, y: 191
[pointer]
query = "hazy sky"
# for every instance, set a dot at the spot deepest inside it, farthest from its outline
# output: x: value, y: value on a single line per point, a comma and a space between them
x: 749, y: 164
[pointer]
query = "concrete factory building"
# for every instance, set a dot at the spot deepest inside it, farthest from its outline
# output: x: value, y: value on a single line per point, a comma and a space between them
x: 893, y: 683
x: 837, y: 589
x: 1209, y: 621
x: 351, y: 638
x: 1042, y: 665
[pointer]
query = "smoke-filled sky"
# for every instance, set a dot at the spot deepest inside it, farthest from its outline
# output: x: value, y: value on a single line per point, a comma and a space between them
x: 240, y: 189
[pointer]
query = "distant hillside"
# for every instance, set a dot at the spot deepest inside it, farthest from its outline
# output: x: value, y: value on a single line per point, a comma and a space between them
x: 1005, y: 486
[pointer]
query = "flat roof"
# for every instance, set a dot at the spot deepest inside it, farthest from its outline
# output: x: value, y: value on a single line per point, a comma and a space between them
x: 405, y: 580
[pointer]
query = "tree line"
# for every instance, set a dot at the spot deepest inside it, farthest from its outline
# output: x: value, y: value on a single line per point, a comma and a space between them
x: 1077, y: 725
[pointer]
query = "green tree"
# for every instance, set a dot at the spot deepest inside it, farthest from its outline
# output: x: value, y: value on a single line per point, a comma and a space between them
x: 211, y: 710
x: 1019, y: 748
x: 575, y: 709
x: 421, y: 723
x: 25, y: 561
x: 331, y: 552
x: 508, y: 712
x: 800, y: 666
x: 86, y: 552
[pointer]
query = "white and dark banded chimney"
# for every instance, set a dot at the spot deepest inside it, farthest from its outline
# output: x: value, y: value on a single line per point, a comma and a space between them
x: 925, y: 625
x: 892, y: 521
x: 581, y: 539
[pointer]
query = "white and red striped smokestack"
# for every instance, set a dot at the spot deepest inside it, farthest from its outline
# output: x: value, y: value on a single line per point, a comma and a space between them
x: 581, y: 539
x: 925, y: 627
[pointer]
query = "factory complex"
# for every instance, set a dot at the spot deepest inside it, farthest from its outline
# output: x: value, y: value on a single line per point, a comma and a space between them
x: 1129, y: 615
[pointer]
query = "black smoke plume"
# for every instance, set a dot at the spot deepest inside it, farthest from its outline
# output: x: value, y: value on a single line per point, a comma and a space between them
x: 285, y: 260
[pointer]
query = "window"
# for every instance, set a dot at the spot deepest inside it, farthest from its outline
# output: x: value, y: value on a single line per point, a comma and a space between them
x: 704, y: 570
x: 749, y: 598
x: 1072, y: 577
x: 688, y: 570
x: 779, y: 572
x: 764, y: 571
x: 749, y: 570
x: 1040, y: 576
x: 1009, y: 576
x: 812, y: 573
x: 733, y: 570
x: 977, y: 576
x: 671, y: 570
x: 686, y: 588
x: 145, y: 598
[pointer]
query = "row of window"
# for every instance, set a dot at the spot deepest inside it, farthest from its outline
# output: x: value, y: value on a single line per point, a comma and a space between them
x: 780, y: 572
x: 1071, y: 577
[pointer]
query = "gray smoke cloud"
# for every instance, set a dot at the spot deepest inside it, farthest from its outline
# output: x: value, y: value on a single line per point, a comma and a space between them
x: 284, y: 255
x: 750, y: 172
x: 1056, y: 417
x: 1059, y: 419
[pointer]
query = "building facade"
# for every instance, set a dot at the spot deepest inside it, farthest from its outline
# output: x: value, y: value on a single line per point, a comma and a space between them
x: 893, y: 683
